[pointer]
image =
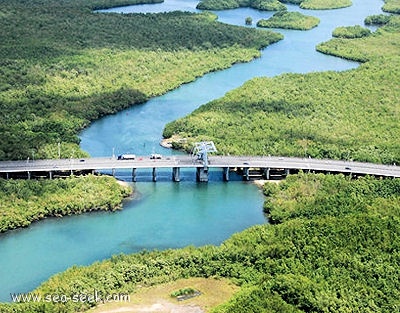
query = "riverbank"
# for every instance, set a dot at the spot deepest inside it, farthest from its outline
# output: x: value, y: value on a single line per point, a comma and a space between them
x: 319, y: 223
x: 92, y: 70
x: 23, y: 202
x: 297, y: 115
x: 48, y: 97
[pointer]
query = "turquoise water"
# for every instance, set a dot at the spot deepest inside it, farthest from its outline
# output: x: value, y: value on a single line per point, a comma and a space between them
x: 165, y: 214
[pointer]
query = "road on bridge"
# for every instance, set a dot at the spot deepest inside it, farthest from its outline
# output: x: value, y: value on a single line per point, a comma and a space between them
x: 187, y: 161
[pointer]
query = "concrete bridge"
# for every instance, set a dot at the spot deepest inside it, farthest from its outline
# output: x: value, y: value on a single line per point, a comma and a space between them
x: 250, y: 167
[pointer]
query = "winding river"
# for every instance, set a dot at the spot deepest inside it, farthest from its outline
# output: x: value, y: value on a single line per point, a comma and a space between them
x: 165, y: 214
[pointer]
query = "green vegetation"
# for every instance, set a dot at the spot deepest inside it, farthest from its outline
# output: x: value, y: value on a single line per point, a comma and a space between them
x: 334, y: 247
x: 351, y: 32
x: 213, y: 293
x: 25, y: 201
x: 324, y: 4
x: 272, y: 5
x: 264, y: 5
x: 379, y: 19
x: 382, y: 44
x: 346, y: 115
x: 391, y: 6
x: 290, y: 20
x: 334, y: 242
x: 183, y: 292
x: 62, y: 66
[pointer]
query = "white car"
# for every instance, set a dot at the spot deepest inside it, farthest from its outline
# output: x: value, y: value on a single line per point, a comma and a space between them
x: 126, y: 157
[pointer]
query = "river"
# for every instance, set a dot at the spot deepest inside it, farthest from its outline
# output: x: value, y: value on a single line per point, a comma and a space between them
x: 165, y: 214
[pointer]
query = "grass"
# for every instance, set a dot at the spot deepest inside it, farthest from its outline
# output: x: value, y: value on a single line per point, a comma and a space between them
x: 213, y: 293
x: 339, y: 115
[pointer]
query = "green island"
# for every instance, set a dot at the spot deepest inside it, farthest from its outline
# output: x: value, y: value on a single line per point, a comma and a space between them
x: 289, y: 20
x: 333, y: 242
x: 324, y: 4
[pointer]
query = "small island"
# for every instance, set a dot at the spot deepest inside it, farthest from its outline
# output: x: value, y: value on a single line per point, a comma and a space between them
x: 289, y: 20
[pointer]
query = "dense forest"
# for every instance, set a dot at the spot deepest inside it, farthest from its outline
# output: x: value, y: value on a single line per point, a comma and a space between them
x: 272, y: 5
x: 265, y: 5
x: 333, y: 247
x: 340, y: 115
x: 290, y: 20
x: 25, y: 201
x: 333, y: 242
x: 63, y: 65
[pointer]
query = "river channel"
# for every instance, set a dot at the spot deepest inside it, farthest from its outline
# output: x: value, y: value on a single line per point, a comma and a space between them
x: 166, y: 214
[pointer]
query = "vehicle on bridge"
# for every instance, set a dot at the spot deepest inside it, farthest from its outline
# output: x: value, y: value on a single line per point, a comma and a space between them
x: 126, y: 157
x: 155, y: 156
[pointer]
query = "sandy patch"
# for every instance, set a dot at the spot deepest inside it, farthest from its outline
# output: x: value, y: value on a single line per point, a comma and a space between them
x: 167, y: 142
x: 260, y: 182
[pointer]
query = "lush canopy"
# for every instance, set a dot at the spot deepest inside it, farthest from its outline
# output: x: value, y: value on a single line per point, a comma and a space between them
x: 340, y: 115
x: 62, y: 65
x: 290, y: 20
x: 334, y: 247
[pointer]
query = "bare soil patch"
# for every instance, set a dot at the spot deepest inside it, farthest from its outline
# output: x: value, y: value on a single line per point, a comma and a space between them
x: 158, y: 298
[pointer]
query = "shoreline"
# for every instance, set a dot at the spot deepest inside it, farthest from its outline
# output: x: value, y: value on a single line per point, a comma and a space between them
x: 261, y: 182
x: 59, y: 211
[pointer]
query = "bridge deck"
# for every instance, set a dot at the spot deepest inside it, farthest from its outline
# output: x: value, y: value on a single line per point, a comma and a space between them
x: 184, y: 161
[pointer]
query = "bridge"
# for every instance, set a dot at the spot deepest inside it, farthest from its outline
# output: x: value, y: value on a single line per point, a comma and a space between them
x: 250, y: 167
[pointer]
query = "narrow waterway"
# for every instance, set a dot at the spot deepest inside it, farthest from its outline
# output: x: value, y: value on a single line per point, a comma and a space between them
x: 166, y: 214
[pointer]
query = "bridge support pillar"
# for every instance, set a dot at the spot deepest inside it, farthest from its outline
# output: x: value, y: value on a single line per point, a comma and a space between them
x: 7, y: 176
x: 113, y: 172
x: 29, y: 175
x: 154, y: 174
x: 266, y: 173
x: 176, y: 174
x: 51, y: 175
x: 202, y: 174
x: 225, y: 174
x: 287, y: 172
x: 134, y: 174
x: 246, y: 173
